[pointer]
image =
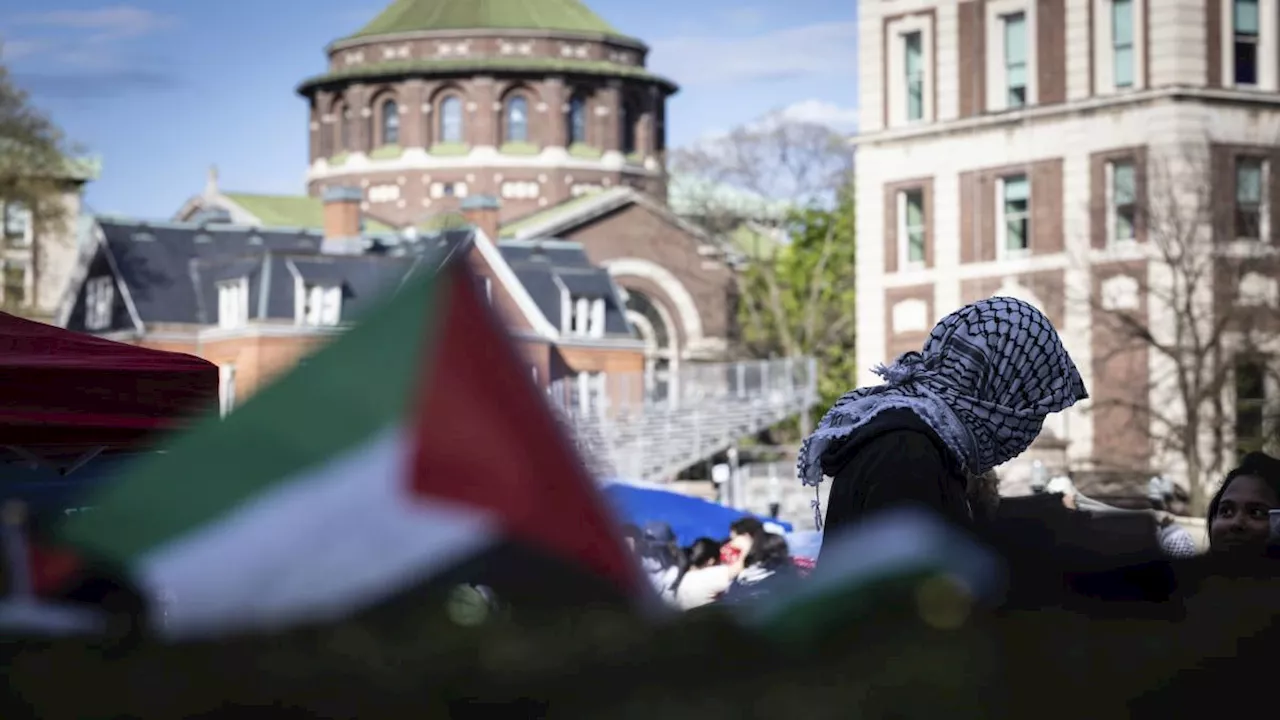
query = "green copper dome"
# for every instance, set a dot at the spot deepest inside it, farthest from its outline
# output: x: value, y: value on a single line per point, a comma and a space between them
x: 405, y: 16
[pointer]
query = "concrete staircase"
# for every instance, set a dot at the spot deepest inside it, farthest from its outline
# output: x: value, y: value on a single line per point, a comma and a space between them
x: 641, y: 431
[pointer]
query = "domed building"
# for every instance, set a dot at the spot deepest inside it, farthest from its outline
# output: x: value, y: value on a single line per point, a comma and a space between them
x: 534, y: 121
x: 534, y: 102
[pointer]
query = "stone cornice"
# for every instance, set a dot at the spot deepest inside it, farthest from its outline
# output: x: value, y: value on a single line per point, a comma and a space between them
x: 405, y: 69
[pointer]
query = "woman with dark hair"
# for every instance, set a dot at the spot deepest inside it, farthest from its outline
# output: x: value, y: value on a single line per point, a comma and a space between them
x: 1238, y: 521
x: 705, y: 578
x: 766, y: 567
x: 662, y: 559
x: 976, y: 396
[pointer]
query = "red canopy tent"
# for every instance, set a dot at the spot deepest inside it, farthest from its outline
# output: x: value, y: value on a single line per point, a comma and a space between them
x: 67, y: 397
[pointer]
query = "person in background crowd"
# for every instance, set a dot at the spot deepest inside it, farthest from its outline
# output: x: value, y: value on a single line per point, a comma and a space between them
x: 1174, y: 539
x: 1238, y: 519
x: 632, y: 535
x: 763, y: 570
x: 662, y: 559
x: 704, y: 578
x: 742, y: 533
x: 976, y: 396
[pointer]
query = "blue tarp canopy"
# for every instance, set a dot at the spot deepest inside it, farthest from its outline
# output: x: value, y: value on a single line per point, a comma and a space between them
x: 689, y: 517
x: 45, y: 490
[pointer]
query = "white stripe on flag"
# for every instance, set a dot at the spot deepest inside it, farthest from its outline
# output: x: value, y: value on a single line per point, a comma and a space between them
x: 341, y: 536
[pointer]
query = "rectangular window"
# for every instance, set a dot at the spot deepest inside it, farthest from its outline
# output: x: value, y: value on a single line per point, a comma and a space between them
x: 1250, y: 192
x: 1015, y: 58
x: 233, y: 303
x: 1244, y: 20
x: 1015, y: 206
x: 323, y: 305
x: 591, y: 397
x: 99, y: 300
x: 1122, y: 59
x: 913, y: 48
x: 17, y: 225
x: 1124, y: 201
x: 1251, y: 405
x: 226, y: 388
x: 587, y: 317
x: 15, y: 284
x: 911, y: 223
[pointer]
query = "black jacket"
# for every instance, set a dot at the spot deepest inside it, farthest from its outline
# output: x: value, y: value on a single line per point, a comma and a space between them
x: 893, y: 460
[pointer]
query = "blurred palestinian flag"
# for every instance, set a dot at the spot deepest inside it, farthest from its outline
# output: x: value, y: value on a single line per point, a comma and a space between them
x: 412, y: 449
x: 907, y: 560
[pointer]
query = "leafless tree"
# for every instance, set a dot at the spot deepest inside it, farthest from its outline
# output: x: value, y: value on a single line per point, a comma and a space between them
x: 1194, y: 315
x: 772, y: 164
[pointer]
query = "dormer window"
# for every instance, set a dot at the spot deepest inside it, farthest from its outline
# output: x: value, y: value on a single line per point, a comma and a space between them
x: 233, y: 303
x: 586, y: 316
x: 321, y: 305
x: 99, y: 297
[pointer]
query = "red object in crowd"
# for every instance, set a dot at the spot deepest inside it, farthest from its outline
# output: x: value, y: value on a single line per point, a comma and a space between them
x: 805, y: 565
x: 729, y: 554
x: 65, y: 393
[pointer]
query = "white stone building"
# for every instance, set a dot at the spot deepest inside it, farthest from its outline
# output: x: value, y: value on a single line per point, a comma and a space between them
x: 1006, y: 148
x: 36, y: 258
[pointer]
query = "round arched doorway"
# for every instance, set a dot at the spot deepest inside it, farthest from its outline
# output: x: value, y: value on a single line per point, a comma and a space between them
x: 662, y: 355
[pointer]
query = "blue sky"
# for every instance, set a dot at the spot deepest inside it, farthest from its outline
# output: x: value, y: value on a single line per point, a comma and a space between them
x: 162, y: 89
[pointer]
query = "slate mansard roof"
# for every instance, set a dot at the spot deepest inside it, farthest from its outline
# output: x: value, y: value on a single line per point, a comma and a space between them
x: 550, y: 268
x: 169, y: 272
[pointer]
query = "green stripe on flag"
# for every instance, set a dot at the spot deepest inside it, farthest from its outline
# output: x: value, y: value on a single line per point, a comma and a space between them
x: 358, y: 385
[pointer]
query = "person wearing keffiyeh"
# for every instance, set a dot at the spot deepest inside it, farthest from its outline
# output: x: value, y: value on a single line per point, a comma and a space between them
x: 973, y: 398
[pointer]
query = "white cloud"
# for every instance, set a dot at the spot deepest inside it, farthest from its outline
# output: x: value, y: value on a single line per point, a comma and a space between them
x: 822, y: 49
x: 18, y: 49
x: 820, y: 112
x: 87, y: 53
x: 109, y: 23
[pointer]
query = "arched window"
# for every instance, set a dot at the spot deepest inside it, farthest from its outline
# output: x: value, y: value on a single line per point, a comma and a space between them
x: 344, y: 130
x: 627, y: 131
x: 451, y: 120
x: 576, y: 120
x: 390, y: 123
x: 517, y: 125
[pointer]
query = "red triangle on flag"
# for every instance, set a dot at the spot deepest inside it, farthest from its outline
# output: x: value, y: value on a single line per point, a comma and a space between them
x: 487, y: 437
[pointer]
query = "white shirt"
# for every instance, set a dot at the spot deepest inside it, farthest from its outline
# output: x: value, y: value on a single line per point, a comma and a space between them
x: 701, y: 586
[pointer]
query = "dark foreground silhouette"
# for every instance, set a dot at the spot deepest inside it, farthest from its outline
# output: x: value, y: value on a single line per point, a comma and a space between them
x: 1084, y: 631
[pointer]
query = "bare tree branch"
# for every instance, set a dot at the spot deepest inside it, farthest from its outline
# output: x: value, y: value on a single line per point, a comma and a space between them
x: 1195, y: 322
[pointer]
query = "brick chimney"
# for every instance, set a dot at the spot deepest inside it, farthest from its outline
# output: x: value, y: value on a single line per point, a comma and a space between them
x: 482, y: 212
x: 342, y: 222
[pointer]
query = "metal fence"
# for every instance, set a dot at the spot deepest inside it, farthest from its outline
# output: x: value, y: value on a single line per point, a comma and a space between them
x: 618, y: 395
x: 649, y: 427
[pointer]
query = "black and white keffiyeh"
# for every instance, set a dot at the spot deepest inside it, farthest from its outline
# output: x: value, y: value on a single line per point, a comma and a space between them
x: 986, y: 379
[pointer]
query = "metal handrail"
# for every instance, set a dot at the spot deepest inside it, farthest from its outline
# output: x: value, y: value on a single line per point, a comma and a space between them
x: 647, y: 429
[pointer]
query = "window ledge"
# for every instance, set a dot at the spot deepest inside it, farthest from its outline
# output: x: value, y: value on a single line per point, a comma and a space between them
x: 339, y: 159
x: 386, y: 152
x: 449, y: 149
x: 584, y: 151
x: 519, y: 148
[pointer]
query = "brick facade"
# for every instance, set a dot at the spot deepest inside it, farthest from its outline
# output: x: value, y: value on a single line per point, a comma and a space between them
x: 420, y: 175
x: 638, y: 231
